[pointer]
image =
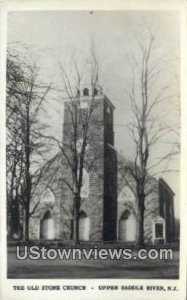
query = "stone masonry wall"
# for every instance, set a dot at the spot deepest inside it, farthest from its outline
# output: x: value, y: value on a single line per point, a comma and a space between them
x: 151, y: 201
x: 108, y: 177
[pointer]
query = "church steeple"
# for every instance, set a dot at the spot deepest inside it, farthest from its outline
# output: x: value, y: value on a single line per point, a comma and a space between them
x: 101, y: 121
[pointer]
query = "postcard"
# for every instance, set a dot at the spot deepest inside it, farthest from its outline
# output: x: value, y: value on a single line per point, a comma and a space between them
x: 93, y: 141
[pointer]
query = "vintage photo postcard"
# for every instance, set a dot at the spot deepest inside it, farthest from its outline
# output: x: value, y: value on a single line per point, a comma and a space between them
x: 92, y: 198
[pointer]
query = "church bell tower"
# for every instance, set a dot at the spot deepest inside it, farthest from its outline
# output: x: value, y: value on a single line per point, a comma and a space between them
x: 100, y: 206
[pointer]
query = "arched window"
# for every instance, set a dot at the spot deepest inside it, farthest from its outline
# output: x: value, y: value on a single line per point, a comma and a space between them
x: 95, y: 92
x: 86, y: 92
x: 159, y: 230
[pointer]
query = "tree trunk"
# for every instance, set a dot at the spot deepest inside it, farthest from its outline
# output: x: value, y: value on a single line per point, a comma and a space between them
x: 26, y: 235
x: 77, y: 229
x: 27, y: 171
x: 141, y: 223
x: 76, y: 219
x: 11, y: 219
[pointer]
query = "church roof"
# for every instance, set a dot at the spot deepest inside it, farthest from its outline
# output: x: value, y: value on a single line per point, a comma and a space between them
x: 166, y: 186
x: 109, y: 102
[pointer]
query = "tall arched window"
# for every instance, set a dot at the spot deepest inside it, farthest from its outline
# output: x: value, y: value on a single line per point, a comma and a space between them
x: 95, y: 92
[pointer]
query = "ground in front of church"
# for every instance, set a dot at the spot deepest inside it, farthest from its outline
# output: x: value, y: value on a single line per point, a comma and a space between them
x: 72, y: 269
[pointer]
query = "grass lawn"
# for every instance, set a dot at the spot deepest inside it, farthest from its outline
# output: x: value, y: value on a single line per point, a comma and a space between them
x: 136, y: 269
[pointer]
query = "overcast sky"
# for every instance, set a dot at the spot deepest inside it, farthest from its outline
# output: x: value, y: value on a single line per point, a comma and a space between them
x: 57, y: 36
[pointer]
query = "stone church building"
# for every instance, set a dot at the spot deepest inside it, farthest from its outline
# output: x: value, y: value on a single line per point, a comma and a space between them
x: 109, y: 208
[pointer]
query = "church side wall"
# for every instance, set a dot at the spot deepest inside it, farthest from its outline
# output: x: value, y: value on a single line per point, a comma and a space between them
x: 52, y: 173
x: 167, y: 209
x: 128, y: 201
x: 110, y: 194
x: 151, y: 209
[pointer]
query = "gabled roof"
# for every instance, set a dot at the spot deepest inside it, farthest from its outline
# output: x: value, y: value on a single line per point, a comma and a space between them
x: 166, y: 186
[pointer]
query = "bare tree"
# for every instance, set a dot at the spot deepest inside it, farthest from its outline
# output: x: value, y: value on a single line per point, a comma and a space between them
x: 74, y: 147
x: 25, y: 145
x: 146, y: 94
x: 80, y: 119
x: 15, y: 160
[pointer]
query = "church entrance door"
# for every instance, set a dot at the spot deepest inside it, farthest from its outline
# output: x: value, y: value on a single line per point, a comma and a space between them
x: 84, y: 227
x: 127, y: 227
x: 47, y: 231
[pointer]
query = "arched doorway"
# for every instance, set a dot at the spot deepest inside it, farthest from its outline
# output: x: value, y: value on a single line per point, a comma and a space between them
x: 47, y: 231
x: 84, y: 227
x: 127, y: 226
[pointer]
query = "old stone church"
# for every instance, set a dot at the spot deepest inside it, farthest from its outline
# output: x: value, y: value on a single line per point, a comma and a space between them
x: 109, y: 208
